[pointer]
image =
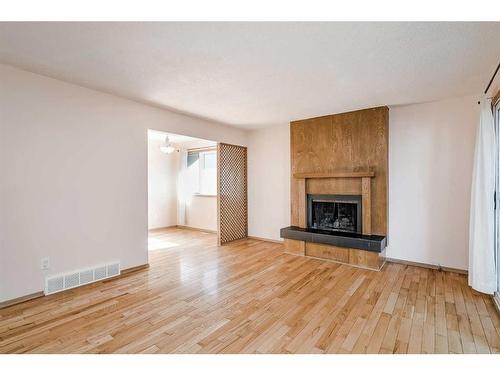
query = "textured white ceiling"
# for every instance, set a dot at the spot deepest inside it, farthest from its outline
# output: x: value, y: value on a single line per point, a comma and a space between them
x: 258, y: 74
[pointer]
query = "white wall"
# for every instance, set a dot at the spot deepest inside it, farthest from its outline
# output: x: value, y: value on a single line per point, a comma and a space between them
x: 201, y: 212
x: 268, y: 181
x: 73, y: 187
x: 162, y: 185
x: 430, y: 167
x: 431, y: 150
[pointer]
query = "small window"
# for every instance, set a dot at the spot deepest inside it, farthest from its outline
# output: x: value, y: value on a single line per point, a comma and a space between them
x: 208, y: 173
x: 209, y: 160
x: 202, y: 169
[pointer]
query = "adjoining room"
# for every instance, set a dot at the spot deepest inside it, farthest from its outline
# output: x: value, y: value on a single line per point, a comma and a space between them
x: 182, y: 188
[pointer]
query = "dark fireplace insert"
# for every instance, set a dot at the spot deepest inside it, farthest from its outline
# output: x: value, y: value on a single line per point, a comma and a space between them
x: 332, y: 212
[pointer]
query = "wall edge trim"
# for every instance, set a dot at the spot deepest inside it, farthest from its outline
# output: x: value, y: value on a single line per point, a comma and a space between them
x: 427, y: 265
x: 32, y: 296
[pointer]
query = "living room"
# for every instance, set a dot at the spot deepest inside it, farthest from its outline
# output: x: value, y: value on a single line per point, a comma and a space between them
x: 249, y: 187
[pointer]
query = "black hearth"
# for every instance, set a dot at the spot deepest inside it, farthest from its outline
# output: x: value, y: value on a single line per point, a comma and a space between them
x: 339, y: 213
x: 341, y: 239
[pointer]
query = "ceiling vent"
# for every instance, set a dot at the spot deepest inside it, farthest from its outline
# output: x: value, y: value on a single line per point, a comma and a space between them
x: 69, y: 280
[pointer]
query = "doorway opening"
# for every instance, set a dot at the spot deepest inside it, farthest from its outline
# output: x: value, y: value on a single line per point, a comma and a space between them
x: 182, y: 191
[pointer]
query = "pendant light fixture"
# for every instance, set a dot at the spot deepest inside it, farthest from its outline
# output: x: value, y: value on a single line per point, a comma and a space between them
x: 167, y: 148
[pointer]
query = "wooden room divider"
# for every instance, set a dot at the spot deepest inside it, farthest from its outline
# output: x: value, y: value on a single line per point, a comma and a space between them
x: 232, y: 205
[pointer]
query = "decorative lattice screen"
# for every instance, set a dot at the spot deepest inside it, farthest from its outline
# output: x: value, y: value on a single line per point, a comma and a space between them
x: 232, y: 192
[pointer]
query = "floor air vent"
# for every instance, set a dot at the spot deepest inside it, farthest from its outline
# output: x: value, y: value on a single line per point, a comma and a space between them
x: 58, y: 283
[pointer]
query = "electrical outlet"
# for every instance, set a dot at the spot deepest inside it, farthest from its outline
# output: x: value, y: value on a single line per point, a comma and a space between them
x: 44, y: 264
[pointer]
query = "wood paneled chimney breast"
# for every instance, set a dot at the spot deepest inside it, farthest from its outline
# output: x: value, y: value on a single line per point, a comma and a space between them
x: 342, y: 154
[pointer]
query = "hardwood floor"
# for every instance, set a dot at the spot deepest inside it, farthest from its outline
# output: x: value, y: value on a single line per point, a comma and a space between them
x: 250, y: 297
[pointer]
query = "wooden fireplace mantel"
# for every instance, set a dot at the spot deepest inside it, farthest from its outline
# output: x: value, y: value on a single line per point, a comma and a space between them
x: 339, y: 174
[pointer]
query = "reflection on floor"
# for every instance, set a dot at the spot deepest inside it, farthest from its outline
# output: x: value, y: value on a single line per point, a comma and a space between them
x: 158, y: 240
x: 251, y: 297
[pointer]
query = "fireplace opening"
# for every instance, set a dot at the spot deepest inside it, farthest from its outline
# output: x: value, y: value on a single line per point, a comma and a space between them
x: 334, y: 212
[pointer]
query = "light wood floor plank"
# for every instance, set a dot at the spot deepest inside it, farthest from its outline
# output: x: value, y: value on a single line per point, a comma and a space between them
x: 251, y: 297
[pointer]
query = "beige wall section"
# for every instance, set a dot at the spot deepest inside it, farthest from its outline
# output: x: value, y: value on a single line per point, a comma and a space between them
x: 431, y: 151
x: 73, y: 184
x: 162, y: 185
x: 268, y: 181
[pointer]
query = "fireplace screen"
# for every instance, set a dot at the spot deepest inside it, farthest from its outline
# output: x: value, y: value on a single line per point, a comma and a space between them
x: 334, y: 212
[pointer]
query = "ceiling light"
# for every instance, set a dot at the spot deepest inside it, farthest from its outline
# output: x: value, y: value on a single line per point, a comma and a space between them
x: 168, y: 148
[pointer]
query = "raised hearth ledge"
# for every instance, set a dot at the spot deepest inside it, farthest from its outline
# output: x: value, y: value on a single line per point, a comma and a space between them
x: 373, y: 243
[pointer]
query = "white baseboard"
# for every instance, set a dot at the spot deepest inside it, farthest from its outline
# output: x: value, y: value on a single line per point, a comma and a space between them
x: 426, y: 265
x: 21, y: 299
x: 265, y: 239
x: 39, y: 294
x: 197, y: 229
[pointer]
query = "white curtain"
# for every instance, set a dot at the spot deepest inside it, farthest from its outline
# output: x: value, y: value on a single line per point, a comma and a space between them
x: 482, y: 216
